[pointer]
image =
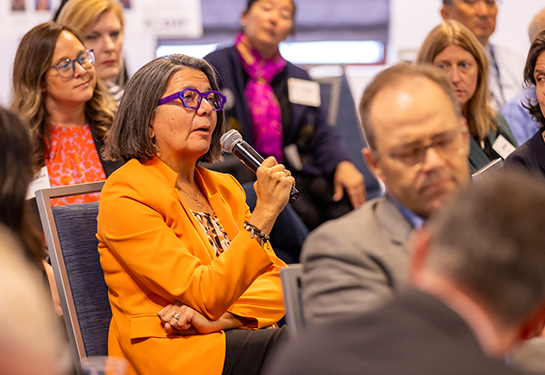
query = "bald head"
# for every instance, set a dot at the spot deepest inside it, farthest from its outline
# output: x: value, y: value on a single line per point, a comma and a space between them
x: 393, y: 75
x: 537, y: 25
x: 408, y: 100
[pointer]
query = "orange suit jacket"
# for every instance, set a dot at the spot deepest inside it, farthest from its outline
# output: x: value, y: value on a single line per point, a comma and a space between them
x: 154, y: 252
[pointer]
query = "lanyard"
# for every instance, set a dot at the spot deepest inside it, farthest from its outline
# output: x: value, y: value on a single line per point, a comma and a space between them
x: 497, y: 72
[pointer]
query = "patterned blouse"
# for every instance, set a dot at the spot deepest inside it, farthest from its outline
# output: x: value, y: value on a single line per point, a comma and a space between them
x: 72, y: 158
x: 211, y: 225
x: 217, y: 236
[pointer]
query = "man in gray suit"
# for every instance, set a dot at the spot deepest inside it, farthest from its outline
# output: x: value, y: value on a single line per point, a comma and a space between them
x: 418, y: 146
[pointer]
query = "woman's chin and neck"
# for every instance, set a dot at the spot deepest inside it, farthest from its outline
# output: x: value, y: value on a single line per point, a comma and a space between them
x: 266, y: 50
x: 184, y: 165
x: 110, y: 78
x: 68, y: 114
x: 465, y: 107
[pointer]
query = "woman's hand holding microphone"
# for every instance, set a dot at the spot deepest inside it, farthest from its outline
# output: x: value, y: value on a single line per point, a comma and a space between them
x: 273, y: 187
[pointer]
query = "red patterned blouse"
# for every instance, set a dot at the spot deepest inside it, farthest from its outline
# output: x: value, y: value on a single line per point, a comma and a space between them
x: 72, y: 158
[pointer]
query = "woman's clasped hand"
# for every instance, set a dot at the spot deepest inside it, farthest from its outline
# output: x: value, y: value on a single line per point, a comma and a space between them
x: 181, y: 319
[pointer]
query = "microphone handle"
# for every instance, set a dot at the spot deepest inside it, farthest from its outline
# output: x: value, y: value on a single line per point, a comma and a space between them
x: 247, y: 155
x: 252, y: 159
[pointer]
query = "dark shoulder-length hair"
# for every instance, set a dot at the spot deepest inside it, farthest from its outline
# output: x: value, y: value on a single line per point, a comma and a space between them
x: 250, y: 3
x: 32, y: 60
x: 129, y: 136
x: 536, y: 49
x: 15, y: 176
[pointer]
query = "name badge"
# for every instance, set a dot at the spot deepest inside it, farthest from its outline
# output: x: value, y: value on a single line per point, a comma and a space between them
x: 40, y: 182
x: 304, y: 92
x: 292, y: 156
x: 503, y: 147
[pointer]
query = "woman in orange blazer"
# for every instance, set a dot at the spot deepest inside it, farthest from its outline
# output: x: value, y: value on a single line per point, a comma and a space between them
x: 187, y: 265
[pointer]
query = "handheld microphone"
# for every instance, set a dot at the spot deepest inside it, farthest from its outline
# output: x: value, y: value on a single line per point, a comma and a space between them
x: 232, y: 141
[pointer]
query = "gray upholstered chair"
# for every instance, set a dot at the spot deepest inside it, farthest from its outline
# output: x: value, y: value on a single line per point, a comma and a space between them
x: 293, y: 303
x: 341, y: 114
x: 70, y: 233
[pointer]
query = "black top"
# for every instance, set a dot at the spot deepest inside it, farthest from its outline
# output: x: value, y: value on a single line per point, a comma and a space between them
x: 530, y: 156
x: 108, y: 166
x: 478, y: 157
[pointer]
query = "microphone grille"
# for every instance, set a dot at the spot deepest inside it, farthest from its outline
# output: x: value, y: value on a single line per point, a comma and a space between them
x: 230, y: 139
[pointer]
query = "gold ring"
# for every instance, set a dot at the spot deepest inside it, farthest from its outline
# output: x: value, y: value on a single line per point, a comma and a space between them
x: 176, y: 316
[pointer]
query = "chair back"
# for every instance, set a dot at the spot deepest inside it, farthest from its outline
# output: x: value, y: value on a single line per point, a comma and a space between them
x: 341, y: 114
x: 292, y: 291
x: 330, y: 96
x: 70, y: 233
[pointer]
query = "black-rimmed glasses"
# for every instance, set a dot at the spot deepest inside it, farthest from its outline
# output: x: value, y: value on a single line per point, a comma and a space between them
x: 67, y: 68
x: 191, y: 98
x: 445, y: 145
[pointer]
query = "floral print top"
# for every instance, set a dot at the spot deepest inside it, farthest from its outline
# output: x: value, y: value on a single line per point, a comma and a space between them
x: 211, y: 225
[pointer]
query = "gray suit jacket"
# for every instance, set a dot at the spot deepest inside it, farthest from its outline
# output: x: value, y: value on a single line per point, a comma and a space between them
x: 354, y: 263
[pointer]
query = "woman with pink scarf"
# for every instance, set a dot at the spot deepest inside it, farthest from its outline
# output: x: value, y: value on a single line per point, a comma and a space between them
x: 257, y: 82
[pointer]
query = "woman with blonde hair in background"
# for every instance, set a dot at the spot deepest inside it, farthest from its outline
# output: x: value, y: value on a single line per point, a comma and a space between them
x: 100, y: 24
x: 453, y: 48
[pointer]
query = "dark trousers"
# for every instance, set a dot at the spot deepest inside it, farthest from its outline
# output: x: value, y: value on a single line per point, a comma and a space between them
x: 315, y: 204
x: 247, y: 350
x: 288, y: 233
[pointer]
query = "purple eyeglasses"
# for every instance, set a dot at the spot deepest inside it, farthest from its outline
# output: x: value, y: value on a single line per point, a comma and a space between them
x: 191, y: 98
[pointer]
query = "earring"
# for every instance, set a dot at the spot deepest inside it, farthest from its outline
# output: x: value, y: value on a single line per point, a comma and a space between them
x: 155, y: 145
x: 149, y: 153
